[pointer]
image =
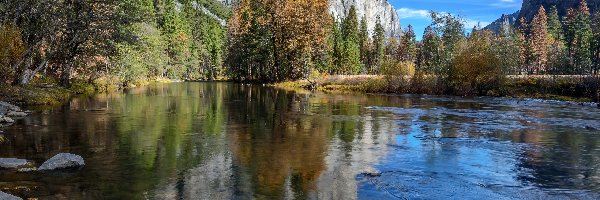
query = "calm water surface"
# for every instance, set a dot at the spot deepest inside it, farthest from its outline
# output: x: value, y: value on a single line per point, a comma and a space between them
x: 231, y: 141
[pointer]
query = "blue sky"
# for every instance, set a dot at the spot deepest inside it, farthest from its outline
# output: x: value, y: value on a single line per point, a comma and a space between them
x: 415, y: 12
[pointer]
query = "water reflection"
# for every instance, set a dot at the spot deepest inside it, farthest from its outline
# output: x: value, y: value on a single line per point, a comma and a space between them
x: 230, y: 141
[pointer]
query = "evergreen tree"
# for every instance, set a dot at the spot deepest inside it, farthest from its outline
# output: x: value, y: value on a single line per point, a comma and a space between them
x: 596, y: 40
x: 378, y: 47
x: 430, y: 52
x: 350, y: 62
x: 407, y: 50
x: 364, y: 41
x: 539, y: 42
x: 583, y: 40
x: 350, y: 26
x: 554, y: 25
x: 556, y: 48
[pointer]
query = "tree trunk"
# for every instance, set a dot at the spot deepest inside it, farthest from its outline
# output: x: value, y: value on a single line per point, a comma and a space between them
x: 66, y: 76
x: 28, y: 75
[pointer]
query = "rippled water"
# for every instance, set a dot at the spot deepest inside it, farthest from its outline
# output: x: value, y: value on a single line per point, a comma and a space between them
x: 231, y: 141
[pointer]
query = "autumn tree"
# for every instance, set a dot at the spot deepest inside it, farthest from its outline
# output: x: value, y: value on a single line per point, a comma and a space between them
x: 475, y: 69
x: 276, y: 40
x: 523, y: 44
x: 11, y: 53
x: 539, y: 42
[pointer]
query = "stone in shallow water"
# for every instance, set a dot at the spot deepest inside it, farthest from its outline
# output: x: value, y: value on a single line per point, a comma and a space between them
x: 11, y: 163
x: 6, y: 120
x: 62, y: 161
x: 16, y: 114
x: 6, y: 196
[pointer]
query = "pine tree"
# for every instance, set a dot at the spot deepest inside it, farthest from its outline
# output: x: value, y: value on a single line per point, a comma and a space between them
x: 583, y: 40
x: 350, y: 26
x: 350, y: 62
x: 430, y: 52
x: 596, y: 44
x: 554, y: 26
x: 364, y: 40
x: 407, y: 50
x: 378, y: 47
x: 539, y: 42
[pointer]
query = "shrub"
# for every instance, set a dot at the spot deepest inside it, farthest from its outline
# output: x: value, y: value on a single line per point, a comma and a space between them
x: 11, y: 51
x: 475, y: 70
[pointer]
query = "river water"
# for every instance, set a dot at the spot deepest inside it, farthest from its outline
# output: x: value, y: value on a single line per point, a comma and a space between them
x: 233, y: 141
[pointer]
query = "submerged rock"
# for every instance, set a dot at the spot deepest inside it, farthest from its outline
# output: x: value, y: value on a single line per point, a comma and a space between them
x: 62, y: 161
x: 12, y: 163
x: 6, y: 196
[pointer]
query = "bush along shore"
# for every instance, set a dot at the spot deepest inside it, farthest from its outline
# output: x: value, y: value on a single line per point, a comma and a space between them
x: 564, y: 88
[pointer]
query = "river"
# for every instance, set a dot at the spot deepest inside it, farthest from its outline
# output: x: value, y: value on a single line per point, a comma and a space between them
x: 234, y: 141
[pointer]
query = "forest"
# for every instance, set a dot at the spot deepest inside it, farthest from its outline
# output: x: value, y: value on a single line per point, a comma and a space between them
x: 129, y: 42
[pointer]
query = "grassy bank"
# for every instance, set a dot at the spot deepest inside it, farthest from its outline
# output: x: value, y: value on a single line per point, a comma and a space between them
x: 564, y: 88
x: 47, y: 91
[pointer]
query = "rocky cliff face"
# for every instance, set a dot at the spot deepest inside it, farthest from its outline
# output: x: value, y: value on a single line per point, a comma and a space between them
x: 504, y: 23
x: 530, y: 8
x: 371, y: 9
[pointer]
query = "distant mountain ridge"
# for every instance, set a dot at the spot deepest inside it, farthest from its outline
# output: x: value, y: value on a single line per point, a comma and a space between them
x: 530, y: 7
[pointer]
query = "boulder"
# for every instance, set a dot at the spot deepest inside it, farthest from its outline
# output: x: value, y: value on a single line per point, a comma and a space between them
x: 16, y: 114
x: 12, y: 163
x: 6, y: 120
x: 8, y: 107
x: 62, y: 161
x: 6, y: 196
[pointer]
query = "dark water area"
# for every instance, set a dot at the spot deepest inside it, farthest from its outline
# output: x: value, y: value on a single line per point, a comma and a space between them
x: 233, y: 141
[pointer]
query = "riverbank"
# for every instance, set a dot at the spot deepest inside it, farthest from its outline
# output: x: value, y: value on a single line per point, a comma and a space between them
x: 49, y: 92
x: 562, y: 88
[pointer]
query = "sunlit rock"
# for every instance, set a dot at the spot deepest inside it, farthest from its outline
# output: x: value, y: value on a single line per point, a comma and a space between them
x: 6, y: 196
x: 62, y: 161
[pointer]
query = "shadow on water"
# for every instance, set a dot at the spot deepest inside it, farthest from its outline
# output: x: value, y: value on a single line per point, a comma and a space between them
x: 232, y: 141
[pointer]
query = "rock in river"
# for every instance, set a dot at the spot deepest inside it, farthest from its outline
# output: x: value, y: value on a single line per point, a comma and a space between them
x: 62, y: 161
x: 11, y: 163
x: 6, y: 119
x: 6, y: 196
x: 16, y: 114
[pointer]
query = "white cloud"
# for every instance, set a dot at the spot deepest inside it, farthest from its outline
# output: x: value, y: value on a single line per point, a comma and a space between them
x: 506, y: 4
x: 405, y: 13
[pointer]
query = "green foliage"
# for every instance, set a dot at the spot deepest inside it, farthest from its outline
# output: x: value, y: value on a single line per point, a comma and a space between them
x: 555, y: 28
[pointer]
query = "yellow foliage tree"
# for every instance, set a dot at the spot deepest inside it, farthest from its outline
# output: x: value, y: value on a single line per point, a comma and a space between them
x: 11, y: 52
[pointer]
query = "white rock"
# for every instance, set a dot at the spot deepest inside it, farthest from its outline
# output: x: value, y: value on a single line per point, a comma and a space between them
x: 62, y: 161
x: 12, y: 163
x: 6, y: 120
x: 16, y: 114
x: 6, y: 196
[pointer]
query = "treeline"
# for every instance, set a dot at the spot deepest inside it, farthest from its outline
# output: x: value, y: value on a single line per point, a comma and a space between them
x: 260, y: 45
x: 118, y: 41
